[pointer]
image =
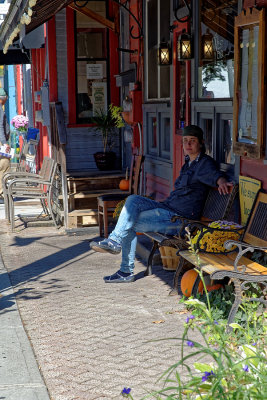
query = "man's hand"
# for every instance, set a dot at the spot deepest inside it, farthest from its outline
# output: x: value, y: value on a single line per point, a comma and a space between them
x: 224, y: 186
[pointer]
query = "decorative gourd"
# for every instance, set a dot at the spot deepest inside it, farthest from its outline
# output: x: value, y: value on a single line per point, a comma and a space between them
x: 187, y: 282
x: 124, y: 183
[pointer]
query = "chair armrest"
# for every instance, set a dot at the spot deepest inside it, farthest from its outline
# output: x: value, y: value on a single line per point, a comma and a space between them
x: 15, y: 174
x: 26, y: 180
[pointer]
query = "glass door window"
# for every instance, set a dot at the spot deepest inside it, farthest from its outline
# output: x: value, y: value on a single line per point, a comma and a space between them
x: 91, y: 64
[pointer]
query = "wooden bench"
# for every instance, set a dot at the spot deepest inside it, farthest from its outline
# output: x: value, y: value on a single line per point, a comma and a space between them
x: 216, y: 207
x: 235, y: 265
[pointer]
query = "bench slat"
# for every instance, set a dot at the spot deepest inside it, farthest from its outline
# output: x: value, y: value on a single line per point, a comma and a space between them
x: 210, y: 263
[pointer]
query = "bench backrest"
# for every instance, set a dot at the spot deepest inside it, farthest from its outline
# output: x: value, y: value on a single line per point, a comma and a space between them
x: 219, y: 206
x: 47, y: 168
x: 135, y: 171
x: 256, y: 229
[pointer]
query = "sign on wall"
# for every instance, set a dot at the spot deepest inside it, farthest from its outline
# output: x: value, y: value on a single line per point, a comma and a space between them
x: 99, y: 96
x: 248, y: 189
x: 94, y: 71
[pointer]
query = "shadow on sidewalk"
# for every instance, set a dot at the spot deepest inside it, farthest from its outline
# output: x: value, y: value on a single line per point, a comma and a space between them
x: 62, y: 258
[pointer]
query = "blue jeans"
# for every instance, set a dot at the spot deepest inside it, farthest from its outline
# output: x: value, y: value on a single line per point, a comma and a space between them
x: 140, y: 214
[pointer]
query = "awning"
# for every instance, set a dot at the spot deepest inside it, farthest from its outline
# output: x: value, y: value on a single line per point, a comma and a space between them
x: 31, y: 13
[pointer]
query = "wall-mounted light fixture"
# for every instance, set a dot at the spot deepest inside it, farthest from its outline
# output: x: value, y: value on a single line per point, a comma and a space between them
x: 207, y: 46
x: 185, y: 47
x: 164, y: 54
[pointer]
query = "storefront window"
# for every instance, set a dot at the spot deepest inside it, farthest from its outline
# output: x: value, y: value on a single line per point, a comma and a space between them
x: 157, y: 24
x: 216, y: 49
x: 91, y: 63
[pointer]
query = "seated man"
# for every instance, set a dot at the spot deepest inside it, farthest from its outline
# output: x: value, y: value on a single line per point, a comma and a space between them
x: 141, y: 214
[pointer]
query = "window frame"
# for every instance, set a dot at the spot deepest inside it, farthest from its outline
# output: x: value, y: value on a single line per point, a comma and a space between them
x: 88, y: 121
x: 158, y: 98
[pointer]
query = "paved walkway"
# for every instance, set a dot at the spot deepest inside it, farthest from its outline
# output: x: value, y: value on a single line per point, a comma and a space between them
x: 90, y: 339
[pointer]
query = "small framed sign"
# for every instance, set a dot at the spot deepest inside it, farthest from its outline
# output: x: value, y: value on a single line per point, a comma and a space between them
x: 94, y: 71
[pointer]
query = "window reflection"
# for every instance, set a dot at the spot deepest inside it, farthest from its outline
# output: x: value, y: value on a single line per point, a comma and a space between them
x: 216, y: 76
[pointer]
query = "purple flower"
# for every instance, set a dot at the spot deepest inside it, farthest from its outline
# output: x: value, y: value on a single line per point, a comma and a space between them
x: 188, y: 318
x: 254, y: 344
x: 125, y: 392
x: 190, y: 344
x: 206, y: 376
x: 216, y: 322
x: 245, y: 368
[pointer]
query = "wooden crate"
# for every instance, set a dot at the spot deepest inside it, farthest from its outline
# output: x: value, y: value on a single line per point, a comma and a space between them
x: 78, y: 218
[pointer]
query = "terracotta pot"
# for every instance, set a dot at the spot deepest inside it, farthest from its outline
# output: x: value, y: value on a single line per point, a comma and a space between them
x: 105, y: 161
x: 126, y: 115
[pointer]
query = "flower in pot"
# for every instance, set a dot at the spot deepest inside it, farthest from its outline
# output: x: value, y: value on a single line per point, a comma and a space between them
x: 107, y: 125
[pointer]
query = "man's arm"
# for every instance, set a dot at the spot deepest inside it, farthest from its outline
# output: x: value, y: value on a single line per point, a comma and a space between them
x: 223, y: 185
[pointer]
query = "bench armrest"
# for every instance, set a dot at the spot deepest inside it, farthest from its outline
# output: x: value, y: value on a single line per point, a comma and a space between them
x: 243, y: 248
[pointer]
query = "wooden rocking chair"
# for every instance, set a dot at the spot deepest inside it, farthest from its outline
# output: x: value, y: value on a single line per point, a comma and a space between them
x: 107, y: 203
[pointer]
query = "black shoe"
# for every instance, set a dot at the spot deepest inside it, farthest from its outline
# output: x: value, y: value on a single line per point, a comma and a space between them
x: 119, y: 278
x: 106, y: 246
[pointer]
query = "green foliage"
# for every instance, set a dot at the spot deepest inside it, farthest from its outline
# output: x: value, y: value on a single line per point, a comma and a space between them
x: 235, y: 360
x: 233, y: 370
x: 213, y: 71
x: 107, y: 125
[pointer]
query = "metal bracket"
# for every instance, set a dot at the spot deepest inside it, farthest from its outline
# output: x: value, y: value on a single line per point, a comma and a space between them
x: 140, y: 28
x: 176, y: 9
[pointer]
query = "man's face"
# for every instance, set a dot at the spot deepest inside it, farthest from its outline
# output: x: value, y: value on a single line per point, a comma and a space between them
x: 191, y: 146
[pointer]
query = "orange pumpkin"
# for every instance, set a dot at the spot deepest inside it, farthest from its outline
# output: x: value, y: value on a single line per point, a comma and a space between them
x: 210, y: 288
x: 187, y: 282
x: 124, y: 184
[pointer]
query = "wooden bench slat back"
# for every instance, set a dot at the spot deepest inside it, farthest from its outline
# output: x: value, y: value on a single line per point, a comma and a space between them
x: 218, y: 206
x: 135, y: 170
x: 47, y: 168
x: 256, y: 229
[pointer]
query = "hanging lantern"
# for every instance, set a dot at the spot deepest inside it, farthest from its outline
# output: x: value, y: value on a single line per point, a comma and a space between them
x: 164, y: 54
x: 207, y: 46
x: 185, y: 47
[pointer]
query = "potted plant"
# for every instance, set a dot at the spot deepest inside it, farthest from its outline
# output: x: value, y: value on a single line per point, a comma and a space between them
x: 107, y: 125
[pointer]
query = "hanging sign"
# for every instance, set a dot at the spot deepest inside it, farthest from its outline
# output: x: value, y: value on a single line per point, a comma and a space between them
x: 99, y: 96
x: 94, y: 71
x: 248, y: 189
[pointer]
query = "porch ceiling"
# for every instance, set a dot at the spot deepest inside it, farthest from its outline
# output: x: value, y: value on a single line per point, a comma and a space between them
x: 42, y: 11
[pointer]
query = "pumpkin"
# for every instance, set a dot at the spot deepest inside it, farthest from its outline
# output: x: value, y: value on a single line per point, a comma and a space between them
x: 187, y: 282
x: 124, y: 183
x: 216, y: 286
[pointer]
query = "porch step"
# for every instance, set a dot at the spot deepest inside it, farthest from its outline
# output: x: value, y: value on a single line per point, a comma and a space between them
x: 78, y: 218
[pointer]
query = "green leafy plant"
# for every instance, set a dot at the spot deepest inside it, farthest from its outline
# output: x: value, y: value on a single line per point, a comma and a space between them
x: 223, y: 364
x: 107, y: 125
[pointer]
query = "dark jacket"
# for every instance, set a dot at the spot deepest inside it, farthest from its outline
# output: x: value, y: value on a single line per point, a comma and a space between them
x: 191, y: 187
x: 4, y: 127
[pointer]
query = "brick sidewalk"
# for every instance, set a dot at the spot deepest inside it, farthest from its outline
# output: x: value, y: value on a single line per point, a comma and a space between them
x: 90, y: 338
